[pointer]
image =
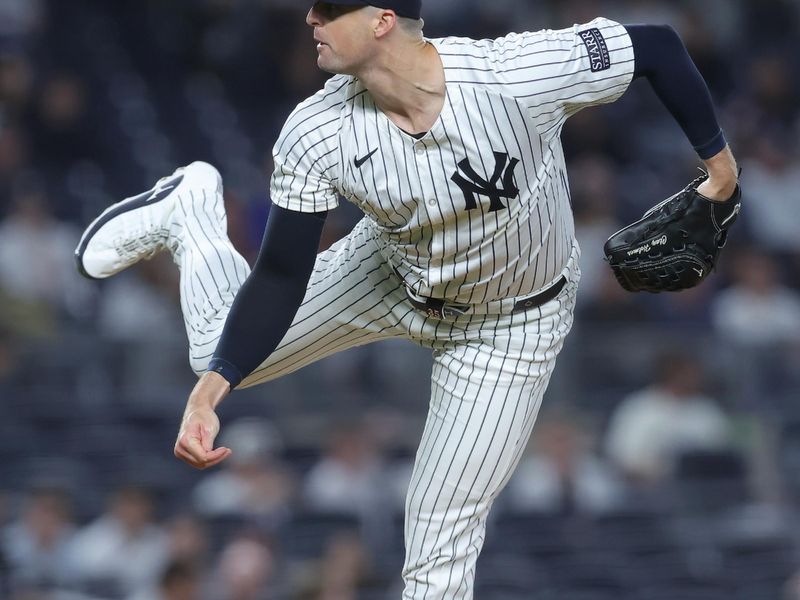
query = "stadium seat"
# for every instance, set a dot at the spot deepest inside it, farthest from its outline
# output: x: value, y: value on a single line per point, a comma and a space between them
x: 708, y: 481
x: 308, y: 532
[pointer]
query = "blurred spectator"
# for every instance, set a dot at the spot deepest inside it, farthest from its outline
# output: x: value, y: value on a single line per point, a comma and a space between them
x: 62, y: 133
x: 560, y: 473
x: 19, y: 18
x: 792, y: 589
x: 123, y: 550
x: 180, y: 581
x: 252, y: 482
x: 769, y: 23
x: 349, y: 477
x: 37, y: 544
x: 183, y: 577
x: 140, y: 306
x: 188, y: 540
x: 707, y: 31
x: 13, y: 158
x: 36, y: 253
x: 651, y: 427
x: 772, y: 89
x: 246, y: 570
x: 690, y: 310
x: 395, y: 429
x: 5, y: 577
x: 757, y: 310
x: 773, y: 173
x: 8, y: 362
x: 344, y: 568
x: 16, y: 83
x: 610, y: 303
x: 758, y: 319
x: 641, y: 11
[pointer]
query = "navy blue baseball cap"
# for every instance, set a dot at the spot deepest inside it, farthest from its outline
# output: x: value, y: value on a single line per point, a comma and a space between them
x: 411, y: 9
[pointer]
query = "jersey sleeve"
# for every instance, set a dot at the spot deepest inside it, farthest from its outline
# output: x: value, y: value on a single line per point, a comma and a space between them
x: 555, y: 73
x: 306, y: 155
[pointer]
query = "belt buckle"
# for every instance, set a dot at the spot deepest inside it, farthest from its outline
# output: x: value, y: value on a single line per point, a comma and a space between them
x: 453, y: 311
x: 434, y: 313
x: 436, y: 308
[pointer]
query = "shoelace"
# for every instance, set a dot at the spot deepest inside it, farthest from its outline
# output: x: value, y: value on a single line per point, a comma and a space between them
x: 142, y: 246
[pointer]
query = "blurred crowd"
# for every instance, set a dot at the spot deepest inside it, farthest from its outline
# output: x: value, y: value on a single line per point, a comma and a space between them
x: 667, y: 455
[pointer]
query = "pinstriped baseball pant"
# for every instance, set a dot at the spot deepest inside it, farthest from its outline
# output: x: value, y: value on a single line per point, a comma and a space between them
x: 488, y: 378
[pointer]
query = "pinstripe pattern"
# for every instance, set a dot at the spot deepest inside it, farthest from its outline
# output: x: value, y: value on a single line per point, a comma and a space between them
x: 352, y: 299
x: 485, y: 395
x: 489, y: 375
x: 507, y: 97
x: 211, y: 270
x: 511, y: 95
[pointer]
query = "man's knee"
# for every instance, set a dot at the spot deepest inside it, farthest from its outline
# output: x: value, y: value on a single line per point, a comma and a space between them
x: 199, y: 365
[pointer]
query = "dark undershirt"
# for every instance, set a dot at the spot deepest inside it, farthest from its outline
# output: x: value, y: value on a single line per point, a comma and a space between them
x: 269, y: 299
x: 662, y: 59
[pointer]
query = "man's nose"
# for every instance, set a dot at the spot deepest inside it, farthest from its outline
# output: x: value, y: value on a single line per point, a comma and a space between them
x: 313, y: 17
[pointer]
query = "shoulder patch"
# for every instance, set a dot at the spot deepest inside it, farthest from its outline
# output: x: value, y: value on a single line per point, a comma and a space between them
x: 599, y: 57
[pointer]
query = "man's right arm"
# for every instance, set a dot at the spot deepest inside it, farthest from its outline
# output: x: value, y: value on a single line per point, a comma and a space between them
x: 307, y: 163
x: 269, y: 299
x: 258, y: 320
x: 662, y: 59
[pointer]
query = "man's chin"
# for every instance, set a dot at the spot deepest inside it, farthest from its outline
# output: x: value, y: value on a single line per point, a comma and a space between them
x: 329, y: 68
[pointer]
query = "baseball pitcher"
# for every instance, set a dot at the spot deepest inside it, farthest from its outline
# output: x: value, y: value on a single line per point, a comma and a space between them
x: 451, y: 149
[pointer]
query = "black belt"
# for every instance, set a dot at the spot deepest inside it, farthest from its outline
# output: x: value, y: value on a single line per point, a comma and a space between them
x: 441, y: 309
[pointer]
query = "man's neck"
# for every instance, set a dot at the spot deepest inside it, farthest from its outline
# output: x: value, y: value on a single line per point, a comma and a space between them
x: 408, y: 85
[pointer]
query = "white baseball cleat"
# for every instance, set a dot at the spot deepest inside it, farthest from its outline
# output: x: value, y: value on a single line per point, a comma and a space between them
x: 138, y: 228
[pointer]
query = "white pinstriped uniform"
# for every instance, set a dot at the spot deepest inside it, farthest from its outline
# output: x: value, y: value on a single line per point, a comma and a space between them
x: 430, y: 217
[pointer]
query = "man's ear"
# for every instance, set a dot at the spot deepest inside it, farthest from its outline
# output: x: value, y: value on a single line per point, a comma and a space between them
x: 385, y: 22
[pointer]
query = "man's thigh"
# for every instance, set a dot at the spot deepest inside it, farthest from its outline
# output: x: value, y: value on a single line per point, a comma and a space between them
x: 352, y: 299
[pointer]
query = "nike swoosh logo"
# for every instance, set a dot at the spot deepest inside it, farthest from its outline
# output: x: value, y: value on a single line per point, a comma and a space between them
x: 359, y: 162
x: 152, y: 195
x: 161, y: 193
x: 735, y: 212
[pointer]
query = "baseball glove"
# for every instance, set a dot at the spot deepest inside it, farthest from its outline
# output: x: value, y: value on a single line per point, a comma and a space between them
x: 675, y: 245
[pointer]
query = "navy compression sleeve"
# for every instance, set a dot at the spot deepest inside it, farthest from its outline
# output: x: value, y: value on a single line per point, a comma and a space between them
x: 661, y: 57
x: 268, y: 301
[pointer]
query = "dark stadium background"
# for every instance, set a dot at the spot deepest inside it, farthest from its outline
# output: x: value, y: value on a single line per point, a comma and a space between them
x: 99, y: 99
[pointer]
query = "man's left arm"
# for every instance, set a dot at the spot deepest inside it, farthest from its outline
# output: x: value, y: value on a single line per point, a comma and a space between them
x: 661, y: 57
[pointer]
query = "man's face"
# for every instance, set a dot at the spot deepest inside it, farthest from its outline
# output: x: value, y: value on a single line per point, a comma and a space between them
x: 343, y: 35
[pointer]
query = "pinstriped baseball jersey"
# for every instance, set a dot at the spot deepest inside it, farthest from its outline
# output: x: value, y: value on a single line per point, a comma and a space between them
x: 478, y: 208
x: 475, y: 210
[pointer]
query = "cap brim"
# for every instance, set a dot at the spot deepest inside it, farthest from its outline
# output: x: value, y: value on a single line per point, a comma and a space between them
x: 344, y: 2
x: 399, y: 11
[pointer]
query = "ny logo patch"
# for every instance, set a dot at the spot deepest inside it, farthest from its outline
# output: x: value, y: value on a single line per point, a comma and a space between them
x: 472, y: 184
